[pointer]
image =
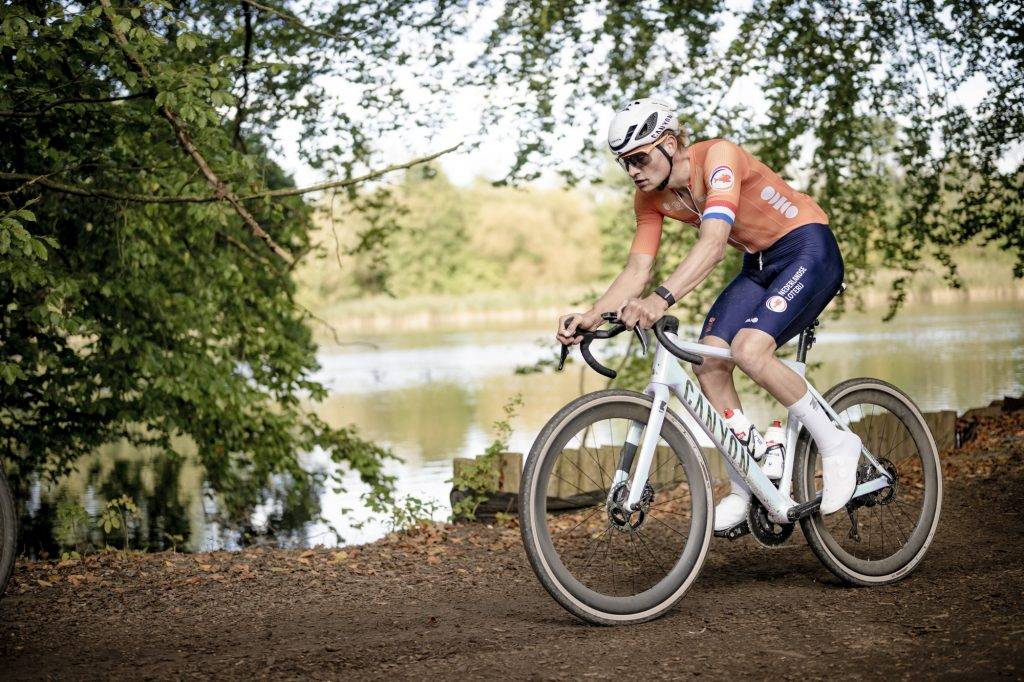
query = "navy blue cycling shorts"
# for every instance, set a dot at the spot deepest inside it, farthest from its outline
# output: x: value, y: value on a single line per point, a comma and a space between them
x: 782, y: 289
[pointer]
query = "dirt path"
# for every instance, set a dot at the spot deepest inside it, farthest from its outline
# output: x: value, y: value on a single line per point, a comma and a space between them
x: 463, y: 603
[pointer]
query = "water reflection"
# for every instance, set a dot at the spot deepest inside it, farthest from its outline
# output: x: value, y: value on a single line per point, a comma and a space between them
x: 432, y: 397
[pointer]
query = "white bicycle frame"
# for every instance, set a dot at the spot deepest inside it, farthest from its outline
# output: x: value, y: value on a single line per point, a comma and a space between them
x: 668, y: 377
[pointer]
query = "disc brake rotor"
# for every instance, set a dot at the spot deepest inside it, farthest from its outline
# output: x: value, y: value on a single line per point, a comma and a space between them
x: 623, y: 520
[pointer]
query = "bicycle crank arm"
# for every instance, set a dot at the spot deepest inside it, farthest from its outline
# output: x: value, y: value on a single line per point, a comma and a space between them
x: 805, y: 509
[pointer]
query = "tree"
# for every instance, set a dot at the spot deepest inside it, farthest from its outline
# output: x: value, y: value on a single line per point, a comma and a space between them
x: 899, y: 163
x: 147, y: 240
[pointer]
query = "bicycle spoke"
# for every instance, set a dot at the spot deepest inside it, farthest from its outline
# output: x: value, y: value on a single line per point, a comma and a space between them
x: 589, y: 516
x: 644, y: 544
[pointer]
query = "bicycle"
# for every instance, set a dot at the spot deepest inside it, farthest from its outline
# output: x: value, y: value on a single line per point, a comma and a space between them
x: 615, y: 538
x: 8, y: 532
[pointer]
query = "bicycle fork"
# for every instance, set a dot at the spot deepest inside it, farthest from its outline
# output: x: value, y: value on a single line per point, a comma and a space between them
x: 660, y: 394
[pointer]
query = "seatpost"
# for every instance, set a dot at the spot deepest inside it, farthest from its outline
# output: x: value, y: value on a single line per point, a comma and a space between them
x: 805, y: 342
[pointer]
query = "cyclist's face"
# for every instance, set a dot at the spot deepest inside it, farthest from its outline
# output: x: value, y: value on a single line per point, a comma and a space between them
x: 647, y: 166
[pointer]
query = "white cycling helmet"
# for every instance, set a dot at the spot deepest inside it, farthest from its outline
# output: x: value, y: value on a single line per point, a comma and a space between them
x: 641, y: 122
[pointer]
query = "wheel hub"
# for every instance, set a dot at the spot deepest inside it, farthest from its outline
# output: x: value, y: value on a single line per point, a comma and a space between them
x: 882, y: 496
x: 621, y: 518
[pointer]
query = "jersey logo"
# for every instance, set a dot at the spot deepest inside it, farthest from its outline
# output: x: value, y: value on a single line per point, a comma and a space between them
x: 779, y: 202
x: 721, y: 178
x: 776, y: 304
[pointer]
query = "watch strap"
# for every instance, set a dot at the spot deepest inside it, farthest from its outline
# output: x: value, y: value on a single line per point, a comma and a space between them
x: 667, y: 295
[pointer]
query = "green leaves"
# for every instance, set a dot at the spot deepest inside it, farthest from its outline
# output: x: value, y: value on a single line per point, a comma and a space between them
x: 118, y: 318
x: 14, y: 237
x: 186, y: 42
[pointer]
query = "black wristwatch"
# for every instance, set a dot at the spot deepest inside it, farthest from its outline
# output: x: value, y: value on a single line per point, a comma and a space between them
x: 667, y: 295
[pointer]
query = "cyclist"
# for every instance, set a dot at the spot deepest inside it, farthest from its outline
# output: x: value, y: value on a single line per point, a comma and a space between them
x: 791, y: 269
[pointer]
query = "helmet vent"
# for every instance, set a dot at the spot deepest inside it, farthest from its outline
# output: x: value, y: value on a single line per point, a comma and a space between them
x: 648, y: 126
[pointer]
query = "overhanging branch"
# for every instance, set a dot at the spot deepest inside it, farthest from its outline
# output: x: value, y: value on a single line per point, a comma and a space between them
x: 44, y: 180
x: 221, y: 189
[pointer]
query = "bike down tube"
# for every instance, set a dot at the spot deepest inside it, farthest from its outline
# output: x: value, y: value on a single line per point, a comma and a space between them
x: 668, y: 373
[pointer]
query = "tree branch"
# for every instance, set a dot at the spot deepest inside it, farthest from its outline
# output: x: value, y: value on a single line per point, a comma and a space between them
x: 221, y: 189
x: 76, y: 100
x: 246, y: 59
x: 332, y: 184
x: 78, y: 190
x: 290, y: 18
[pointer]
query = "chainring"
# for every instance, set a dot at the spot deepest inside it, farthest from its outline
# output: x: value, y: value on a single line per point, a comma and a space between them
x: 767, y: 532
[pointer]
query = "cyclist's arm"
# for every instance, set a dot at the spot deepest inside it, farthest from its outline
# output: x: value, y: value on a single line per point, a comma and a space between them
x: 630, y: 283
x: 635, y: 277
x: 702, y: 258
x: 725, y: 167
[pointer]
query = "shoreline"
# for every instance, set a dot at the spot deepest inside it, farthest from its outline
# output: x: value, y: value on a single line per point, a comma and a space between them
x: 428, y: 318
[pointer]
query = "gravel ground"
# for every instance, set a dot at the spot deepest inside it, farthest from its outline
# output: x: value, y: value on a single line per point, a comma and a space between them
x: 462, y: 602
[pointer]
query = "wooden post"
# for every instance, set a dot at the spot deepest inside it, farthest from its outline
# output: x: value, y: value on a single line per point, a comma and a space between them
x: 511, y: 472
x: 566, y: 483
x: 943, y: 427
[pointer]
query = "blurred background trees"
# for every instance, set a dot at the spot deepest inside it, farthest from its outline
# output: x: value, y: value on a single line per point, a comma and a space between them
x: 155, y: 259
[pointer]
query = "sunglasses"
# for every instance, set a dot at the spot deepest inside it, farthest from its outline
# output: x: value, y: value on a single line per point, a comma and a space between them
x: 641, y: 157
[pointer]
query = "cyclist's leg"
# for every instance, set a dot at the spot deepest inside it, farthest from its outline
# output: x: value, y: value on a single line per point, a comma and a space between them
x: 726, y: 317
x: 799, y: 292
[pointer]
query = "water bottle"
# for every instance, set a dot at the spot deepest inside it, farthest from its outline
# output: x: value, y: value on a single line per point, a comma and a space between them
x: 775, y: 451
x: 745, y: 432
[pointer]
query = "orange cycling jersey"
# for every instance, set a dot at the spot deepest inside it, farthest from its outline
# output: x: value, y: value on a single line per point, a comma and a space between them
x: 728, y: 183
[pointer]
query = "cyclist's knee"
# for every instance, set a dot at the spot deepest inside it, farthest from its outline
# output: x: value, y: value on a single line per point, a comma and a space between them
x: 713, y: 366
x: 751, y: 353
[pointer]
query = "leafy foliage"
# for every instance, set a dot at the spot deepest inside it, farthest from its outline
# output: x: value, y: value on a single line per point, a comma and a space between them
x: 482, y: 476
x: 874, y: 89
x: 146, y: 238
x: 443, y: 239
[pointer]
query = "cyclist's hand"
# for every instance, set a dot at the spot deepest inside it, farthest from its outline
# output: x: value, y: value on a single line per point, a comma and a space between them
x: 642, y: 311
x: 568, y: 326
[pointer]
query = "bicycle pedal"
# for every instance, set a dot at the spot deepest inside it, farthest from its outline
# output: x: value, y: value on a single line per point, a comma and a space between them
x: 737, y: 531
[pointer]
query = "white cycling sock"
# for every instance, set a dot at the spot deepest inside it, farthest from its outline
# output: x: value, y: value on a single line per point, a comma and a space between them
x: 826, y: 434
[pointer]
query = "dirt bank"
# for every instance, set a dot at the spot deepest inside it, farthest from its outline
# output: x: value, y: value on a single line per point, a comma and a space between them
x: 462, y: 602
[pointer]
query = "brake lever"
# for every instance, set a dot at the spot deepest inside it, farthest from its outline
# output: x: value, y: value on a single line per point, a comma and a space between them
x: 565, y: 348
x: 640, y: 334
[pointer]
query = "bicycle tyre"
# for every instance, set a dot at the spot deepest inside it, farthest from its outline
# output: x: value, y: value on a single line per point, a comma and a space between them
x: 844, y: 565
x: 8, y: 532
x: 576, y: 598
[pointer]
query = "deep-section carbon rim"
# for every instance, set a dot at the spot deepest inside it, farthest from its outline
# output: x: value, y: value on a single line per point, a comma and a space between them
x: 602, y: 567
x: 8, y: 532
x: 887, y: 534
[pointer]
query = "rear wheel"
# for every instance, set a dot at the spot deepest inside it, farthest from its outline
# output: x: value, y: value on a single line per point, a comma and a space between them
x: 602, y: 564
x: 881, y: 537
x: 8, y: 532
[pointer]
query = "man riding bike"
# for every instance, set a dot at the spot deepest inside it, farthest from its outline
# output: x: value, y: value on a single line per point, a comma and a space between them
x: 792, y: 268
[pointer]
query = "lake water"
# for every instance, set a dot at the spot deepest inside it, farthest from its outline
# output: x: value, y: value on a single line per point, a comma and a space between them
x: 432, y: 397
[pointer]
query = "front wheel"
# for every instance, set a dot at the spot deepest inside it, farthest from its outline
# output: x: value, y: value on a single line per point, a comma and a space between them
x: 8, y: 532
x: 603, y: 565
x: 881, y: 537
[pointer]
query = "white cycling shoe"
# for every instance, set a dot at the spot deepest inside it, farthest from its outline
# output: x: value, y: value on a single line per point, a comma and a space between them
x: 731, y: 511
x: 839, y: 473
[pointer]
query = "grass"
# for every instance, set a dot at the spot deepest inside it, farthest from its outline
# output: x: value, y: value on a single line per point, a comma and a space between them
x: 985, y: 270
